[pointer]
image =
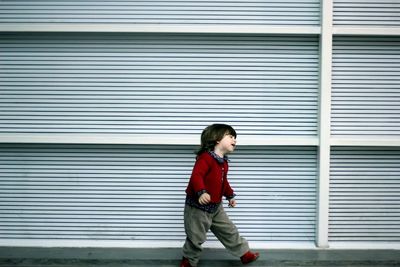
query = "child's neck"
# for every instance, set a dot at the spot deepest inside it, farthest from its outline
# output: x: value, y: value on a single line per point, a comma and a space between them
x: 219, y: 152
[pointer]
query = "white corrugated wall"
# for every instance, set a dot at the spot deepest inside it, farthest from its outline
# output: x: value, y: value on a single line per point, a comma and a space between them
x: 365, y: 194
x: 256, y: 12
x: 371, y: 13
x: 111, y: 192
x: 102, y: 104
x: 158, y: 84
x: 365, y: 86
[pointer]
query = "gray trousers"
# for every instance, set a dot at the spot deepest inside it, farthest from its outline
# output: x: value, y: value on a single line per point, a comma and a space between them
x: 197, y: 224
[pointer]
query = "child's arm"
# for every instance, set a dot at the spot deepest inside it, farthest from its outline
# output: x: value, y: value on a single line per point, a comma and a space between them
x: 228, y: 192
x: 232, y: 203
x: 230, y: 195
x: 204, y: 199
x: 200, y: 170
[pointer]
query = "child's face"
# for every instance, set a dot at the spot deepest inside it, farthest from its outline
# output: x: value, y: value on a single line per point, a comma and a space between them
x: 227, y: 144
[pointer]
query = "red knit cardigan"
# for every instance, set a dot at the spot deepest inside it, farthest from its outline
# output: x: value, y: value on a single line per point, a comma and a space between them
x: 210, y: 175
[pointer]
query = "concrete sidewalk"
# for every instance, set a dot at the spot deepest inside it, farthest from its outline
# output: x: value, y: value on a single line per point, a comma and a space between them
x: 124, y: 257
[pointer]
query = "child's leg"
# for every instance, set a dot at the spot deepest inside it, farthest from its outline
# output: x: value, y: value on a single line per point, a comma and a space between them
x: 226, y: 232
x: 197, y: 224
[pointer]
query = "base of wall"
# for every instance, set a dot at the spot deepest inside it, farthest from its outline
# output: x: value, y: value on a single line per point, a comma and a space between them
x: 78, y: 257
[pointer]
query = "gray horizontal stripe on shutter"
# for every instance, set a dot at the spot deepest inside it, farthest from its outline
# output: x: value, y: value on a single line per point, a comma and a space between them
x: 366, y: 86
x: 256, y: 12
x: 155, y: 84
x: 137, y: 192
x: 365, y: 194
x: 383, y: 13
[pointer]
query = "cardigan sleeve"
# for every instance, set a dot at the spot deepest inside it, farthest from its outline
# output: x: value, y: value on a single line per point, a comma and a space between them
x: 228, y: 192
x: 200, y: 170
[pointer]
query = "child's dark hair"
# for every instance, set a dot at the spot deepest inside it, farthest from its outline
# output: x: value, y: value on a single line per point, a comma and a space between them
x: 212, y: 134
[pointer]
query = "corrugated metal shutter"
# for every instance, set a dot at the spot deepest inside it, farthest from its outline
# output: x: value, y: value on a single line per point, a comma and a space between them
x: 276, y: 189
x: 365, y: 194
x: 157, y: 84
x: 366, y: 86
x: 114, y: 192
x: 384, y: 13
x: 278, y: 12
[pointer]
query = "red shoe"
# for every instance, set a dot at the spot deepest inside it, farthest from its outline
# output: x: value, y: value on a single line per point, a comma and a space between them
x: 185, y: 263
x: 249, y: 257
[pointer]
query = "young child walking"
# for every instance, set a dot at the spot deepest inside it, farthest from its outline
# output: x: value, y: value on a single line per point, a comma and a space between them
x: 208, y: 184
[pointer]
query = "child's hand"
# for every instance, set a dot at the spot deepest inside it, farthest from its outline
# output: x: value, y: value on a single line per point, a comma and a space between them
x: 204, y: 199
x: 232, y: 203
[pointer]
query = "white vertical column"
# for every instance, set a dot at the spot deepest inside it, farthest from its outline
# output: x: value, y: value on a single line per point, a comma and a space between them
x: 322, y: 226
